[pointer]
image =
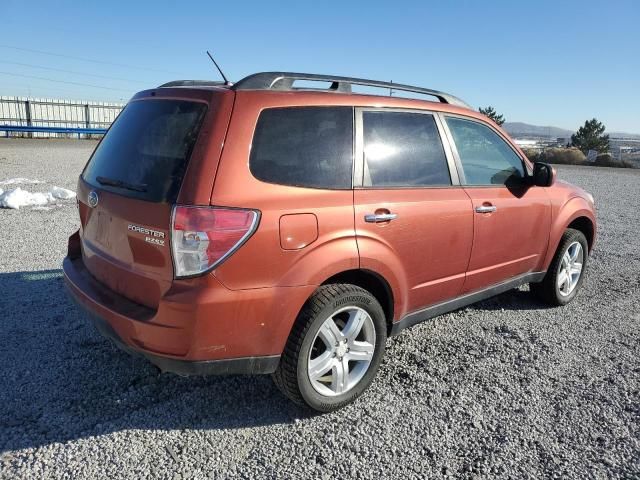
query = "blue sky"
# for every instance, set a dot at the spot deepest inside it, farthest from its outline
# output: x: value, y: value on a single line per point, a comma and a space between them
x: 547, y: 63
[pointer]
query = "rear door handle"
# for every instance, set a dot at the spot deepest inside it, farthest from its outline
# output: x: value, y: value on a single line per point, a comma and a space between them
x: 486, y: 209
x: 380, y: 217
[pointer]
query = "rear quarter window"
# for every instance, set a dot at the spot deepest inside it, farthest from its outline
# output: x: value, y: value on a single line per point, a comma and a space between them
x: 304, y: 147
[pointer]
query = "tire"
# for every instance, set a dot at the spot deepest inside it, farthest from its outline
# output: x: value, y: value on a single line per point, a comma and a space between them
x: 308, y: 352
x: 556, y: 288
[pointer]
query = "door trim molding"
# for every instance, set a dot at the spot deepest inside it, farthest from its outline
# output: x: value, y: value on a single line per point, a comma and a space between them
x: 427, y: 313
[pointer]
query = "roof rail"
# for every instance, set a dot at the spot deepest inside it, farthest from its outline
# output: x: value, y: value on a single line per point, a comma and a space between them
x: 193, y: 83
x: 285, y: 81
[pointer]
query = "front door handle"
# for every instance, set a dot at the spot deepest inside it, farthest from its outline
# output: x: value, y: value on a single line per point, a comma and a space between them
x: 380, y: 217
x: 486, y: 209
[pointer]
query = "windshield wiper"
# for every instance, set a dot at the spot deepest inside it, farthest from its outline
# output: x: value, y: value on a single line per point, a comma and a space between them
x: 121, y: 184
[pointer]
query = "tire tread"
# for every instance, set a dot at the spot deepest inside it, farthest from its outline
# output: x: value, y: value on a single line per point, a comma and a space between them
x: 546, y: 290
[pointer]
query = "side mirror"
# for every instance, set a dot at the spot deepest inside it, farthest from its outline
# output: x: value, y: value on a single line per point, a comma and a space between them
x: 544, y: 175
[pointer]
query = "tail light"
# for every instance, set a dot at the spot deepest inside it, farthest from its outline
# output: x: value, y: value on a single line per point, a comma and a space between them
x: 203, y: 237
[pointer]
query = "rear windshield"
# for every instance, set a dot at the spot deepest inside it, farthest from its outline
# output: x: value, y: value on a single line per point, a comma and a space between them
x: 145, y: 152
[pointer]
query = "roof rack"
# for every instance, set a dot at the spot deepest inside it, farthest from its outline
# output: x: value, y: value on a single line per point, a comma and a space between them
x: 193, y: 83
x: 285, y: 81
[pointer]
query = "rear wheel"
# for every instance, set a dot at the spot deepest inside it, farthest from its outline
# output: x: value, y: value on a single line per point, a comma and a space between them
x: 566, y: 272
x: 334, y: 349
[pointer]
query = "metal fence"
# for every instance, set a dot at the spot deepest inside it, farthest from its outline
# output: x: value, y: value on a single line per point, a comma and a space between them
x: 61, y: 114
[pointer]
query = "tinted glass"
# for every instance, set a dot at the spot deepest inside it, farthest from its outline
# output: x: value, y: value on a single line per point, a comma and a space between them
x: 304, y: 146
x: 147, y: 148
x: 486, y: 158
x: 403, y: 150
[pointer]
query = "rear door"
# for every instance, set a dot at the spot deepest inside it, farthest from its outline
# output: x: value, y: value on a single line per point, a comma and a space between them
x: 126, y: 194
x: 511, y: 217
x: 294, y: 164
x: 413, y: 221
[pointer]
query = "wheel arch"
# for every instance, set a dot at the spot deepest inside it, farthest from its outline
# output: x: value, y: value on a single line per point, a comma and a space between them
x: 371, y: 281
x: 586, y: 226
x: 575, y: 213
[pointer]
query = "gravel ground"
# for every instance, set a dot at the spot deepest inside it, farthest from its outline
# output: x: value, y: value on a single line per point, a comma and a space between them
x: 505, y: 388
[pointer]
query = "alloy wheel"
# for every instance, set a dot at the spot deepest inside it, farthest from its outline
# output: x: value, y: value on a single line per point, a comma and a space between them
x: 570, y: 269
x: 341, y: 351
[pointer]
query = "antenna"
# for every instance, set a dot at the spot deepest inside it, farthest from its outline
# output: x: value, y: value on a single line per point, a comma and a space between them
x: 226, y: 81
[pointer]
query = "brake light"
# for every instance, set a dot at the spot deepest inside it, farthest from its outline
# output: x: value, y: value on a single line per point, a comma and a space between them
x: 203, y: 237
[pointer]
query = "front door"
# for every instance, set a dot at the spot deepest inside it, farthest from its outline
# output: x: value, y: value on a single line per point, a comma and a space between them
x: 414, y: 223
x: 511, y: 218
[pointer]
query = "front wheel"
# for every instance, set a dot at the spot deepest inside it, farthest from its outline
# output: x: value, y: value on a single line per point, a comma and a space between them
x: 566, y: 272
x: 334, y: 349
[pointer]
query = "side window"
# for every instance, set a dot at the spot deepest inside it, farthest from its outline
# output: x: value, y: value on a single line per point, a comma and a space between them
x: 403, y: 150
x: 486, y: 158
x: 304, y: 147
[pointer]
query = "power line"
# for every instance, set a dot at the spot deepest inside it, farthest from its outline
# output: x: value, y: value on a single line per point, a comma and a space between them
x: 71, y: 71
x: 38, y: 92
x: 63, y: 81
x: 91, y: 60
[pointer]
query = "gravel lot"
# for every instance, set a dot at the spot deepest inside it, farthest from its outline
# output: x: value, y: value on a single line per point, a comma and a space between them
x: 505, y: 388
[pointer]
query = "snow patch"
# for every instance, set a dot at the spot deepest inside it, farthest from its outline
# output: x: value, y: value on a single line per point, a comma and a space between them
x: 17, y: 197
x: 20, y: 181
x: 62, y: 193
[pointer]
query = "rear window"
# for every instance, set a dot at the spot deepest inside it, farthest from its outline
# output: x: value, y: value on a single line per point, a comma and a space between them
x: 403, y: 149
x: 145, y: 152
x: 304, y: 147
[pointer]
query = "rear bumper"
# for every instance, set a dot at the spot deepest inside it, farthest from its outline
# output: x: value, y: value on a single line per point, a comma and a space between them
x: 200, y: 328
x: 245, y: 365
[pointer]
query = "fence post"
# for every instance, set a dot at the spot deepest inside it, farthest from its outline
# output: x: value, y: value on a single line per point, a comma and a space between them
x: 27, y: 111
x: 87, y: 119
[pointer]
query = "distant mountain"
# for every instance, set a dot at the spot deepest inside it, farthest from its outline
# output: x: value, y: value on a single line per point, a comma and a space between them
x: 522, y: 130
x: 519, y: 129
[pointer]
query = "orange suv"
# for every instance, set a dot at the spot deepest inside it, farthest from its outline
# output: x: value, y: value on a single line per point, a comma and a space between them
x: 287, y: 225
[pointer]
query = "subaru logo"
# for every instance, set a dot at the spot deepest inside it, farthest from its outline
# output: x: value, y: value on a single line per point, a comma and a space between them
x: 92, y: 198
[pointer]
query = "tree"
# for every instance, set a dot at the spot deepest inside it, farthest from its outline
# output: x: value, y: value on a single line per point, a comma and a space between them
x: 591, y: 137
x: 492, y: 114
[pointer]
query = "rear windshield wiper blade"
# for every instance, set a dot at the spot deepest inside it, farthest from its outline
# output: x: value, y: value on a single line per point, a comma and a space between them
x: 121, y: 184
